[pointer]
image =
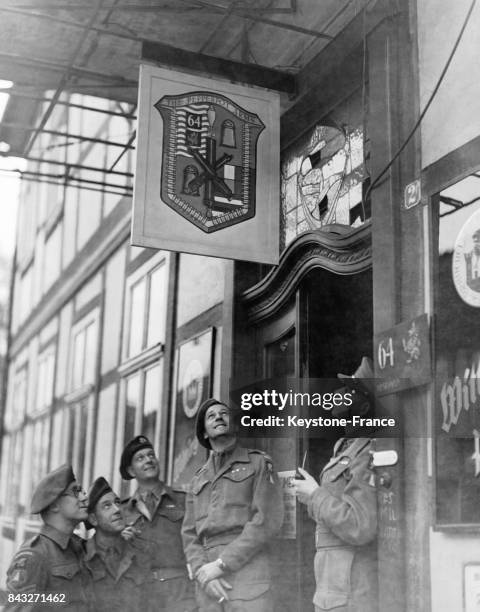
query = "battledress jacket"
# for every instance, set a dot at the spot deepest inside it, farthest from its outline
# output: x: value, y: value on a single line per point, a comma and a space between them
x: 122, y: 585
x: 160, y: 533
x: 47, y: 565
x: 233, y: 512
x: 344, y: 507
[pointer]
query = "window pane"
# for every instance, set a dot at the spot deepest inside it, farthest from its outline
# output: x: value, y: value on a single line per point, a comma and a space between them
x: 90, y: 353
x: 156, y: 310
x: 78, y: 356
x: 69, y: 225
x: 132, y: 402
x: 16, y: 457
x: 151, y: 406
x: 89, y: 214
x: 57, y: 440
x: 40, y: 399
x: 80, y: 435
x: 106, y: 425
x: 137, y: 314
x: 52, y: 259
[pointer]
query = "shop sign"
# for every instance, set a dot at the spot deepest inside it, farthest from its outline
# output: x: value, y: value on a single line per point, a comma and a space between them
x: 207, y: 172
x: 460, y: 402
x: 402, y: 356
x: 466, y: 261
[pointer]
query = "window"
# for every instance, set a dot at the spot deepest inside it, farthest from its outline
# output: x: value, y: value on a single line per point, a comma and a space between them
x: 15, y: 459
x: 144, y: 337
x: 457, y: 342
x: 78, y: 417
x: 39, y: 450
x: 324, y: 176
x: 45, y: 379
x: 84, y: 354
x: 17, y: 401
x: 147, y: 310
x: 52, y: 260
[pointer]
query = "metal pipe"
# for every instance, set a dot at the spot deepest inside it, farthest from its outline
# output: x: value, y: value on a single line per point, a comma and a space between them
x: 83, y: 187
x: 74, y: 166
x: 21, y: 94
x: 204, y: 5
x: 119, y: 81
x: 64, y: 80
x: 141, y: 8
x: 65, y: 179
x: 19, y: 126
x: 130, y: 141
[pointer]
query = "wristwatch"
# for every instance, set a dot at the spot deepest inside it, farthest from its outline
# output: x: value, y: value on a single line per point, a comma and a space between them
x: 221, y: 564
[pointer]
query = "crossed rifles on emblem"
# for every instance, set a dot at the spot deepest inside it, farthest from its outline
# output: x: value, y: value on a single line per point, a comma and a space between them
x: 209, y: 177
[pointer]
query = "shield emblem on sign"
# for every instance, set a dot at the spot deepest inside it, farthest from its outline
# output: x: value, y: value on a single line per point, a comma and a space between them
x: 209, y: 159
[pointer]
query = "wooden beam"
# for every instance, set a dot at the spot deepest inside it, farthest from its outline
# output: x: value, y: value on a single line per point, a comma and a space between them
x: 173, y: 57
x: 332, y: 75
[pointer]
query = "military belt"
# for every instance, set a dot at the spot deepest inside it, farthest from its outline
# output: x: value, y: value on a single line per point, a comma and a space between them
x: 168, y: 573
x: 325, y: 538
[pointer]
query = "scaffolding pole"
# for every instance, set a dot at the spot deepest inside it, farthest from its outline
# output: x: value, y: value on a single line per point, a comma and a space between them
x: 67, y: 135
x: 74, y: 166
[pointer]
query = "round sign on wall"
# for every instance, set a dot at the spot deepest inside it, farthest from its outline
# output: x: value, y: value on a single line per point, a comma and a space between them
x: 192, y: 387
x: 466, y: 261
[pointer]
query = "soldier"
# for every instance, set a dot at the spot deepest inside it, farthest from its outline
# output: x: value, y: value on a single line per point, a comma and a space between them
x: 234, y: 508
x: 48, y: 572
x: 156, y: 511
x: 120, y: 568
x: 344, y: 507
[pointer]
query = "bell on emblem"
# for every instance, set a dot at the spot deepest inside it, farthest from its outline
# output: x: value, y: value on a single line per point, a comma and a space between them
x: 189, y: 174
x: 228, y: 133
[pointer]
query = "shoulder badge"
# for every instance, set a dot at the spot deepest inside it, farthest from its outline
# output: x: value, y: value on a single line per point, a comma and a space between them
x: 269, y: 473
x: 25, y: 571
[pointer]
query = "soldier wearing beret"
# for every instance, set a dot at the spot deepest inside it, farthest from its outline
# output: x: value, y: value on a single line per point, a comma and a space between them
x: 234, y: 508
x: 48, y: 572
x: 156, y: 512
x: 344, y: 506
x: 120, y: 567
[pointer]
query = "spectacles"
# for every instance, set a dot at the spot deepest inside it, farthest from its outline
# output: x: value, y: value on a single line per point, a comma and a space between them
x: 76, y: 491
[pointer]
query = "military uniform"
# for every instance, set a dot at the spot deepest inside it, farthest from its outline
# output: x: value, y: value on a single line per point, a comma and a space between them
x: 50, y: 563
x: 231, y: 512
x: 48, y: 572
x: 121, y: 576
x: 159, y: 522
x: 345, y: 510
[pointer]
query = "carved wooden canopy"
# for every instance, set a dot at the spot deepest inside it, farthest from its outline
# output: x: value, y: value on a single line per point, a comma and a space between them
x: 336, y: 248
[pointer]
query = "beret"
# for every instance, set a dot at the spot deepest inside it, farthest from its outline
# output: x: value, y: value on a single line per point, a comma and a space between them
x: 98, y: 489
x: 132, y: 447
x: 51, y: 487
x: 200, y: 422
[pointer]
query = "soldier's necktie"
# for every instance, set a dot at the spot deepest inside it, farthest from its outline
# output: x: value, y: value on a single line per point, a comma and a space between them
x: 150, y: 502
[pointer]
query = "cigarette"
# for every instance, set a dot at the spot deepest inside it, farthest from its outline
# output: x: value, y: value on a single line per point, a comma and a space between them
x: 221, y: 599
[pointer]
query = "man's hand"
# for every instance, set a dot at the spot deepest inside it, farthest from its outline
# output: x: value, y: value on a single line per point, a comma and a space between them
x: 129, y: 532
x: 217, y: 589
x: 304, y: 488
x: 208, y: 572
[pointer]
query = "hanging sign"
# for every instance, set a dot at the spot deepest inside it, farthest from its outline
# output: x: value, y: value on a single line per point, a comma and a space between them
x: 402, y: 356
x: 207, y: 173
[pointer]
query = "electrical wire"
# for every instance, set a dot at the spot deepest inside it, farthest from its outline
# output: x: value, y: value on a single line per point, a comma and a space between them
x: 427, y: 106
